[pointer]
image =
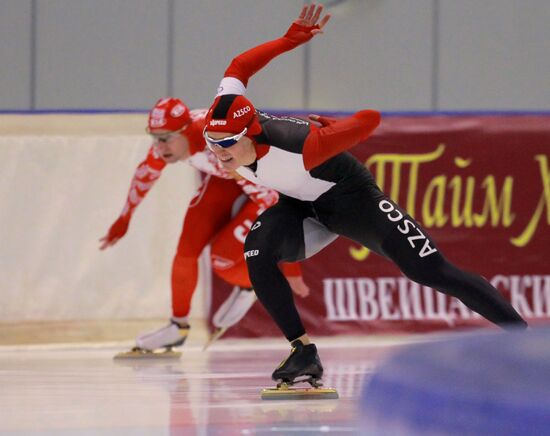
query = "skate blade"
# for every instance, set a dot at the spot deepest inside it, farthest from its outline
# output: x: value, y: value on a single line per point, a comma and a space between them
x: 218, y: 333
x: 299, y: 394
x: 138, y: 353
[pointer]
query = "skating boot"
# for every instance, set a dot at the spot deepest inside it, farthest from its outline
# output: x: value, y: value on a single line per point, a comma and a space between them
x: 231, y: 312
x: 160, y: 342
x: 303, y: 365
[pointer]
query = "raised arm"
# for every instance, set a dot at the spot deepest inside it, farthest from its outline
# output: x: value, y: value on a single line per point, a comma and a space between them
x: 245, y: 65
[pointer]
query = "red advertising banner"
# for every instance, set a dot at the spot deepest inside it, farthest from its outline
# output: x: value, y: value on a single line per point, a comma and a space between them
x: 480, y: 185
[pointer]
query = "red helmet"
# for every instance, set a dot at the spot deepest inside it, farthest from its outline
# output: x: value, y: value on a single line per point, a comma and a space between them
x: 232, y: 113
x: 168, y: 114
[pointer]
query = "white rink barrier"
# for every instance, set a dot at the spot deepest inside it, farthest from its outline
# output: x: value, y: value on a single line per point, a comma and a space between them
x: 64, y: 181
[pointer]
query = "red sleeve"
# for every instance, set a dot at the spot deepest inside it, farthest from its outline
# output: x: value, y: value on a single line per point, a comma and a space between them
x: 323, y: 143
x: 248, y: 63
x: 145, y: 176
x: 291, y: 269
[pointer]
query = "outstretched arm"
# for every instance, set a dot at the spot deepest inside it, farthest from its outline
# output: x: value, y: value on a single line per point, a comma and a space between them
x: 145, y: 176
x: 337, y: 135
x: 245, y: 65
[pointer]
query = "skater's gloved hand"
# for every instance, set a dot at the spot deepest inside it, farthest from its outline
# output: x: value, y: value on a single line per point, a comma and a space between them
x: 307, y: 25
x: 117, y: 231
x: 298, y: 286
x: 324, y: 121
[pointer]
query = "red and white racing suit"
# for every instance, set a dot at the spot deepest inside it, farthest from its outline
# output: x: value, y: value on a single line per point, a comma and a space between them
x: 208, y: 219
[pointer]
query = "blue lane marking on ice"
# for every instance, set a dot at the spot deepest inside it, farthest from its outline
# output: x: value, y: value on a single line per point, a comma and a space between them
x: 481, y: 383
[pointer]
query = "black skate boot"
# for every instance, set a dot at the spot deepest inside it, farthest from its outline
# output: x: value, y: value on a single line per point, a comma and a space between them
x: 303, y: 365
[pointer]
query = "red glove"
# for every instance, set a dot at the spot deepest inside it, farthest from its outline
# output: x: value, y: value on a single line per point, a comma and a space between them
x: 117, y: 231
x: 307, y: 25
x: 300, y: 34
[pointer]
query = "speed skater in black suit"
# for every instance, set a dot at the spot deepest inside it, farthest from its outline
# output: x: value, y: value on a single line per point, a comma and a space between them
x: 325, y: 192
